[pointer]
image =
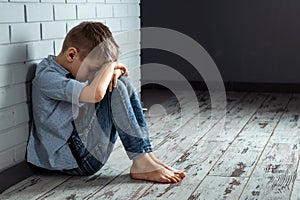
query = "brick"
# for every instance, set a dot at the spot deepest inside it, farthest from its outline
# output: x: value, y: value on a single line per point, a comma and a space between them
x: 5, y: 76
x: 134, y: 36
x: 114, y: 24
x: 21, y: 72
x: 38, y: 50
x: 6, y: 158
x: 64, y: 11
x: 20, y: 113
x: 53, y: 1
x: 39, y: 12
x: 4, y: 32
x: 104, y: 11
x: 134, y: 10
x: 51, y: 30
x: 130, y: 49
x: 96, y: 1
x: 130, y: 1
x: 11, y: 13
x: 12, y: 95
x: 120, y: 10
x: 72, y: 24
x: 136, y: 85
x: 135, y: 62
x: 134, y: 74
x: 124, y: 61
x: 6, y: 119
x: 86, y: 11
x: 112, y: 1
x: 121, y: 38
x: 27, y: 1
x: 75, y: 1
x: 12, y: 53
x: 19, y: 35
x: 20, y: 152
x: 14, y: 137
x: 58, y: 46
x: 130, y: 23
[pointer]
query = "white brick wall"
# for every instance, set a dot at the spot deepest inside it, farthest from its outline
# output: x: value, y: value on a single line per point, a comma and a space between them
x: 32, y: 29
x: 32, y: 32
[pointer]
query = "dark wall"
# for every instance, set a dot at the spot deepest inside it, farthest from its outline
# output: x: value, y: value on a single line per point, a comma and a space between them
x: 250, y: 41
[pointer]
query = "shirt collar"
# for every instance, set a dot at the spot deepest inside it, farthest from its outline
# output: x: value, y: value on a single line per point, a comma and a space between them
x: 57, y: 66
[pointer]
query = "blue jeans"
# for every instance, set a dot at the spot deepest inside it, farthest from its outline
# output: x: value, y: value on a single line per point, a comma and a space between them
x: 93, y: 138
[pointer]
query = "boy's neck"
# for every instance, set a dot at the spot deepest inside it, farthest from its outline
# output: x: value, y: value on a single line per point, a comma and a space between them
x: 60, y: 59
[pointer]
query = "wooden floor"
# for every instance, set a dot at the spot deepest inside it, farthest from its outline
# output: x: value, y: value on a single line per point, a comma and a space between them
x: 251, y: 152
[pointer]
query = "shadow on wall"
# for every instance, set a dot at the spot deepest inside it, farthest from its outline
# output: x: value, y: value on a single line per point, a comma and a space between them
x: 29, y: 76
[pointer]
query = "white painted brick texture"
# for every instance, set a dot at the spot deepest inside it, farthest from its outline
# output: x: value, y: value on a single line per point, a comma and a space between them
x: 120, y: 10
x: 64, y: 11
x: 31, y: 30
x: 38, y: 50
x: 86, y: 11
x: 39, y: 12
x: 4, y: 32
x: 10, y: 12
x: 53, y: 30
x: 12, y: 53
x: 104, y: 11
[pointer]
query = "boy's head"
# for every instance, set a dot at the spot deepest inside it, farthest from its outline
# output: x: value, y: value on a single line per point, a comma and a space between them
x: 87, y: 46
x: 92, y: 36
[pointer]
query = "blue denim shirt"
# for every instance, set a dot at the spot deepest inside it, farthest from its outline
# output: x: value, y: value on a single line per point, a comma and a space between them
x: 55, y: 104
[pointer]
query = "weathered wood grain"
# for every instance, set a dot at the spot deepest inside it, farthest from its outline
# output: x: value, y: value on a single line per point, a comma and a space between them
x: 82, y: 186
x: 242, y: 155
x: 242, y: 158
x: 288, y: 129
x: 231, y: 117
x: 196, y: 163
x: 296, y: 187
x: 266, y: 117
x: 237, y: 161
x: 236, y: 118
x: 216, y: 188
x: 274, y: 174
x: 296, y: 191
x: 176, y: 143
x: 117, y: 163
x: 33, y: 187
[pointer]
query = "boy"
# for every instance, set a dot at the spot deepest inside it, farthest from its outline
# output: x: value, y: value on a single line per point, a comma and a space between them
x: 81, y: 102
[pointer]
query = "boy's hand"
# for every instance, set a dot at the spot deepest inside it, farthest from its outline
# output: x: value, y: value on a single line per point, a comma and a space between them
x: 119, y: 70
x: 122, y: 68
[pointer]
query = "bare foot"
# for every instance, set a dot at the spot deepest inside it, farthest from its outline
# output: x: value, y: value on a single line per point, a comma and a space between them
x: 146, y: 168
x: 181, y: 173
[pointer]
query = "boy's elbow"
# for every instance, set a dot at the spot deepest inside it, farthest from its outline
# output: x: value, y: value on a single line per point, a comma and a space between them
x: 99, y: 95
x: 91, y: 95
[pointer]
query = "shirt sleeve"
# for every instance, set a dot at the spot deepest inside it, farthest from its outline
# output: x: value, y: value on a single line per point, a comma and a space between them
x: 56, y: 86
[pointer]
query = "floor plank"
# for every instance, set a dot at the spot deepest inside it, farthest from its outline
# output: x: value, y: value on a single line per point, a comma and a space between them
x: 33, y: 187
x: 240, y: 158
x: 227, y: 188
x: 252, y: 152
x: 274, y: 174
x: 112, y: 171
x: 175, y: 143
x: 296, y: 188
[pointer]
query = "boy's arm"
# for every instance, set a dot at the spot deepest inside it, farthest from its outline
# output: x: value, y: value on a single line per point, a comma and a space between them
x: 95, y: 91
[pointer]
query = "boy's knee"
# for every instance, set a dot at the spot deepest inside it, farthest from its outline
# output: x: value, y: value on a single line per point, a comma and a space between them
x: 120, y: 90
x: 127, y: 84
x: 124, y: 88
